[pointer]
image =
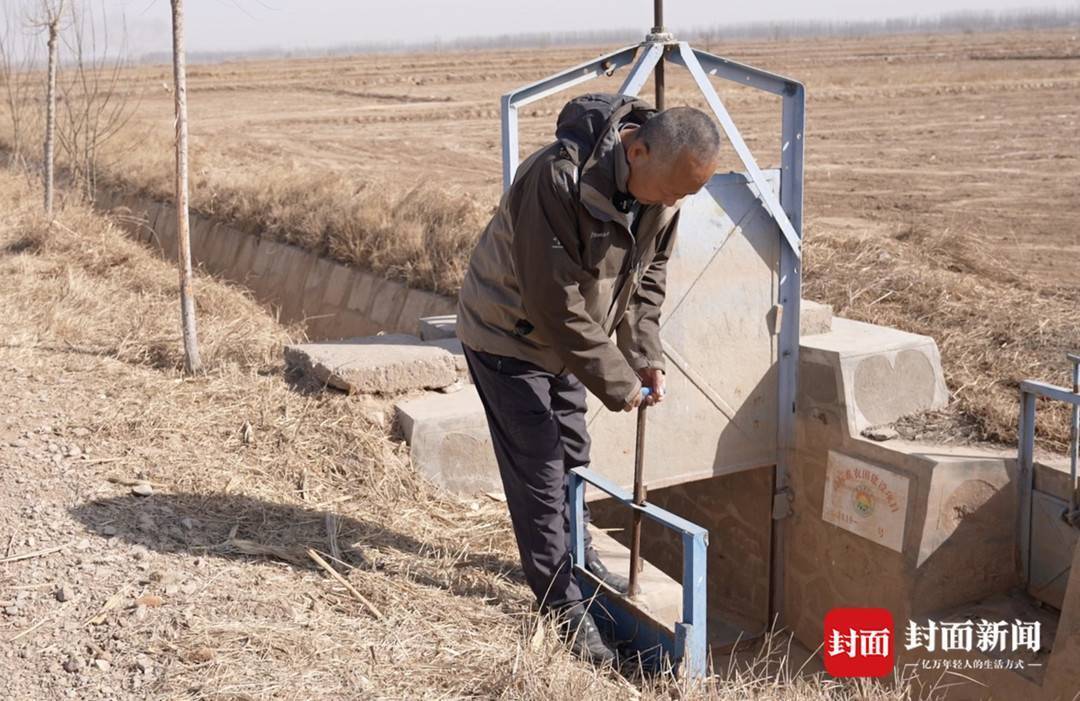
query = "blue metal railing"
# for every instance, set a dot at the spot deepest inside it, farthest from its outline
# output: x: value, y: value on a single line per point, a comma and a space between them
x: 1029, y: 391
x: 691, y: 641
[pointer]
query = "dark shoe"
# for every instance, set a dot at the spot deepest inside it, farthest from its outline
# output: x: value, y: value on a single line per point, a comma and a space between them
x: 616, y: 581
x: 577, y: 626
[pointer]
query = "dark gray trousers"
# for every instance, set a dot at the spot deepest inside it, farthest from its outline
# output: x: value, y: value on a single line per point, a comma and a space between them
x: 537, y: 423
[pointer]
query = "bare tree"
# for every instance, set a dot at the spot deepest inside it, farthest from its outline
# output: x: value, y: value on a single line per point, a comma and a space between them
x: 192, y: 364
x: 51, y: 21
x: 19, y: 52
x: 96, y: 106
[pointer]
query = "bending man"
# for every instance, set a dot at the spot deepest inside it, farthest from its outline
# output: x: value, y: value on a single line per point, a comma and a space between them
x: 576, y: 252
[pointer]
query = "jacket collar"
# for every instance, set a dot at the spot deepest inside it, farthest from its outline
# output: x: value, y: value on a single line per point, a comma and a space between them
x: 606, y: 172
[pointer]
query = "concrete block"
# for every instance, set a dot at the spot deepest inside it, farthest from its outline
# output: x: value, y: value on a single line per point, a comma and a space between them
x: 201, y: 235
x: 440, y: 306
x: 814, y: 318
x: 876, y: 373
x: 414, y: 307
x: 297, y: 264
x: 337, y: 286
x: 242, y: 268
x: 375, y: 365
x: 436, y: 327
x: 318, y: 277
x: 450, y: 442
x: 387, y: 300
x: 231, y: 242
x: 453, y: 346
x: 268, y: 281
x: 361, y: 289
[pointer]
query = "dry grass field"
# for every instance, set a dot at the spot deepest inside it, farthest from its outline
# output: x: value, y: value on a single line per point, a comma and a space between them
x: 953, y: 134
x: 941, y: 178
x: 204, y: 589
x: 942, y: 174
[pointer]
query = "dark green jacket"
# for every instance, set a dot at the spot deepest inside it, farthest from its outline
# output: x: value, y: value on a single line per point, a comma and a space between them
x: 557, y: 270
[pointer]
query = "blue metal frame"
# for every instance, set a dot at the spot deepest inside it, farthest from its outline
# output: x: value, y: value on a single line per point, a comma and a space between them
x: 532, y: 92
x: 1029, y: 391
x: 787, y: 211
x: 691, y: 641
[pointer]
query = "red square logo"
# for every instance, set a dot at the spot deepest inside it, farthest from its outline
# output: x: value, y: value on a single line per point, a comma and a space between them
x: 859, y: 642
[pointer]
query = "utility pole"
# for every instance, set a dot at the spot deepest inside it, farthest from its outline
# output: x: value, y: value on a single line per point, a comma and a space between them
x: 192, y: 364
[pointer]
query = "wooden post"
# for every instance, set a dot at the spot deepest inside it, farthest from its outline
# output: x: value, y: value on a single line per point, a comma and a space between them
x: 192, y: 364
x: 52, y: 23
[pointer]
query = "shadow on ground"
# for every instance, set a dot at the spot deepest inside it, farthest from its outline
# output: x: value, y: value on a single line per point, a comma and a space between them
x: 245, y: 528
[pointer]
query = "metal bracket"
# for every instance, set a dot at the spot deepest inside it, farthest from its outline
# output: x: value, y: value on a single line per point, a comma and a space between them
x: 657, y: 35
x: 690, y: 643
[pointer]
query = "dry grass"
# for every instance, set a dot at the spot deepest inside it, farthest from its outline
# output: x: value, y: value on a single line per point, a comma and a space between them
x: 992, y: 327
x: 421, y: 235
x: 255, y: 457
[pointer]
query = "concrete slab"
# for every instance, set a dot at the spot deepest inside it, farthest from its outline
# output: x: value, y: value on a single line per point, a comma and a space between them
x: 873, y: 374
x: 450, y: 442
x: 436, y: 327
x: 453, y: 346
x: 375, y: 365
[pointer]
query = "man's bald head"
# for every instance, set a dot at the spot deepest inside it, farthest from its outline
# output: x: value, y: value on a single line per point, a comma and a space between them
x: 672, y: 155
x: 678, y: 128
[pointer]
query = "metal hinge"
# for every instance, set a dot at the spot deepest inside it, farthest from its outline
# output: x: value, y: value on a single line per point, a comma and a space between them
x: 781, y: 503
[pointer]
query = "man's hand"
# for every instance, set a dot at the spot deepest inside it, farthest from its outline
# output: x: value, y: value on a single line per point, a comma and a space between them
x: 653, y: 378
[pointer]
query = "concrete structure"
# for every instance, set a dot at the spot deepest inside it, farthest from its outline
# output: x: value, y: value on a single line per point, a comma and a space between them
x: 386, y: 365
x: 331, y: 300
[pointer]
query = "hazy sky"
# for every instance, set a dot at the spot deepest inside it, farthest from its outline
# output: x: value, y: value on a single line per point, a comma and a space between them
x: 238, y: 25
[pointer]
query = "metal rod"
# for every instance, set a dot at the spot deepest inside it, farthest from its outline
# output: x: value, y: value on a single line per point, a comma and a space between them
x: 639, y: 500
x: 1074, y: 436
x: 659, y: 78
x: 658, y: 28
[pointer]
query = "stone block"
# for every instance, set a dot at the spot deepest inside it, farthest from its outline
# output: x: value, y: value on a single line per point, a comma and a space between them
x: 450, y: 442
x: 375, y: 365
x: 436, y: 327
x: 453, y: 346
x: 877, y: 373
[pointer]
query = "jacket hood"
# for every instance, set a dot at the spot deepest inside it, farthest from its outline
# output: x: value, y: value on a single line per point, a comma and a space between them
x: 584, y: 121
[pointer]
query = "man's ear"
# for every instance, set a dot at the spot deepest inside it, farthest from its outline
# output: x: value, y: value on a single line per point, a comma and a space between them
x: 638, y: 149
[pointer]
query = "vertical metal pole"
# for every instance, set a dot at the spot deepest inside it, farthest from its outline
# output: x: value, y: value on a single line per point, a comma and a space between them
x: 691, y: 640
x: 639, y: 500
x: 658, y: 27
x: 1025, y: 482
x: 1074, y: 435
x: 577, y: 522
x: 790, y: 294
x: 509, y: 141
